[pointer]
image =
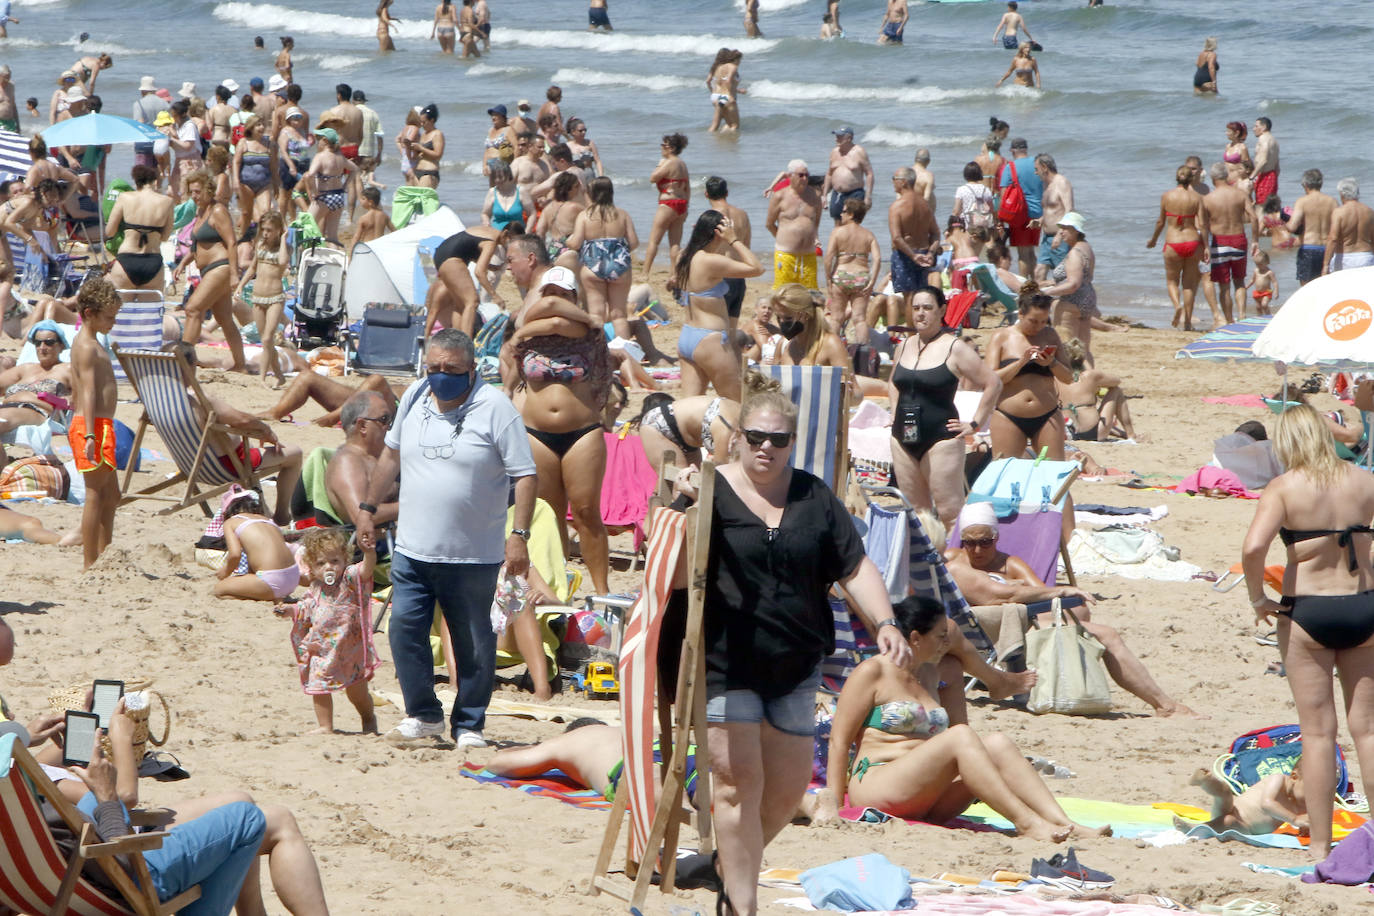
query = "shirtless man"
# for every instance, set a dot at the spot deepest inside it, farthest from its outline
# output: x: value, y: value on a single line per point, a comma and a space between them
x: 375, y: 223
x: 1310, y: 222
x: 894, y: 23
x: 915, y: 237
x: 1225, y: 213
x: 849, y: 174
x: 751, y: 19
x: 717, y: 198
x: 347, y: 119
x: 1266, y: 169
x: 265, y: 104
x: 1055, y: 201
x: 365, y: 419
x: 794, y: 217
x: 1350, y: 241
x: 218, y: 116
x: 9, y: 112
x: 1006, y: 29
x: 529, y: 167
x: 561, y: 160
x: 481, y: 14
x: 925, y: 178
x: 598, y: 16
x: 523, y: 122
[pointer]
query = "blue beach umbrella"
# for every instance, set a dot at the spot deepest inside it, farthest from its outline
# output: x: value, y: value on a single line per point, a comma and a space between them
x: 1234, y: 341
x: 98, y: 130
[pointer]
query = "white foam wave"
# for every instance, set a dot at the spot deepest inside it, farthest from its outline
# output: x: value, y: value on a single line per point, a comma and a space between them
x: 26, y: 43
x: 622, y: 42
x: 23, y: 3
x: 892, y: 136
x: 787, y: 91
x: 91, y: 47
x: 579, y: 76
x: 266, y: 17
x: 493, y: 70
x: 771, y: 6
x: 333, y: 61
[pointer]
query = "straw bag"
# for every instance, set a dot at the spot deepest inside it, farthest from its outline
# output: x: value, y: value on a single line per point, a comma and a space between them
x: 74, y: 698
x: 1072, y: 677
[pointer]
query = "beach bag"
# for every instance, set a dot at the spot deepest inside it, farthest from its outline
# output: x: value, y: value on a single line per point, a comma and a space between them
x: 139, y: 701
x: 1072, y: 677
x: 1265, y: 751
x: 35, y: 477
x: 1014, y: 211
x: 982, y: 215
x: 864, y: 883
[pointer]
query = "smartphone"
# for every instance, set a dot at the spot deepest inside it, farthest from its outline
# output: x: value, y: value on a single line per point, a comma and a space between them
x: 1048, y: 351
x: 78, y: 745
x: 104, y: 697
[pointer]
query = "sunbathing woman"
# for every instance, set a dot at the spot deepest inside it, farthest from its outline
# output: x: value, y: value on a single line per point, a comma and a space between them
x: 258, y: 566
x: 18, y: 525
x: 1025, y: 357
x: 213, y: 252
x: 332, y: 182
x: 1095, y: 399
x: 454, y: 300
x: 691, y: 428
x: 34, y: 390
x: 603, y: 236
x: 910, y: 762
x: 853, y: 263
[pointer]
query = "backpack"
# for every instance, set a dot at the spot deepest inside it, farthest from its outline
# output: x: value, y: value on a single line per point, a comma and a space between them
x: 1014, y: 210
x: 1265, y: 751
x: 982, y: 215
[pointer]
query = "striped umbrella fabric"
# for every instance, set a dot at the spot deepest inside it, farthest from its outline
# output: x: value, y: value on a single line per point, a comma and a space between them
x: 14, y: 163
x: 639, y: 673
x: 818, y: 392
x: 1230, y: 342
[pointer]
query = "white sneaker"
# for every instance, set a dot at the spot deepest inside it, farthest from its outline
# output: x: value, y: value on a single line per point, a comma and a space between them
x: 469, y: 738
x: 412, y: 730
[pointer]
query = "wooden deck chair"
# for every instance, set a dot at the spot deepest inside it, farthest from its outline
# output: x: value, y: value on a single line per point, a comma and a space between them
x: 1021, y: 485
x: 35, y: 876
x: 821, y: 396
x: 196, y: 447
x: 138, y: 325
x: 655, y: 822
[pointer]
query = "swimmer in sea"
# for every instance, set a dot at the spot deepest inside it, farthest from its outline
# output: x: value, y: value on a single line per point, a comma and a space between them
x: 894, y: 23
x: 723, y: 83
x: 445, y: 26
x: 598, y: 16
x: 1006, y: 28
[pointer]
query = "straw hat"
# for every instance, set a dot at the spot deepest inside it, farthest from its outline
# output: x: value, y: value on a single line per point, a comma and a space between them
x: 187, y: 90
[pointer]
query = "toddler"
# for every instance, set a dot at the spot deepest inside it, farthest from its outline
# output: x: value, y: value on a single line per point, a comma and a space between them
x: 332, y: 628
x: 1276, y: 799
x: 1263, y: 285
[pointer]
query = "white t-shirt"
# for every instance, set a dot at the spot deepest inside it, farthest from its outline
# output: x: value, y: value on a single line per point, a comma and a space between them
x: 188, y: 131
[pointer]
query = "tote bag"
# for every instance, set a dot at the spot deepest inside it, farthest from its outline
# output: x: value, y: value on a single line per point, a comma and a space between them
x: 1072, y: 677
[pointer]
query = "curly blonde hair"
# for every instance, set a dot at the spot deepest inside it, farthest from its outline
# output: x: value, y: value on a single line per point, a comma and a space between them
x: 319, y: 543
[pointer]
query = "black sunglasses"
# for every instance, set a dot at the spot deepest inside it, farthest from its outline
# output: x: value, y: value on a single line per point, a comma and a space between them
x: 756, y: 437
x: 384, y: 419
x: 47, y: 341
x: 979, y: 542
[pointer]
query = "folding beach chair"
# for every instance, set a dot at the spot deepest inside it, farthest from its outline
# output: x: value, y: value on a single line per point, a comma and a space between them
x: 389, y: 343
x: 1032, y: 534
x: 983, y: 277
x: 138, y: 325
x: 35, y: 876
x: 1020, y: 488
x: 821, y: 396
x: 200, y: 450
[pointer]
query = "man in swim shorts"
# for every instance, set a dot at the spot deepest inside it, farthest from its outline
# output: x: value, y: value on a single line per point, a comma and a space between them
x: 1225, y: 213
x: 794, y: 218
x: 915, y: 237
x: 1350, y: 241
x: 717, y: 193
x: 347, y: 120
x: 598, y: 17
x: 1007, y: 27
x: 9, y: 112
x: 1266, y: 169
x: 1310, y: 222
x: 1055, y: 200
x: 849, y: 174
x: 894, y: 23
x: 91, y: 430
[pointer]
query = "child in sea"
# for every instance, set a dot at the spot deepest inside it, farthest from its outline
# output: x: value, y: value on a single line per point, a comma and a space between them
x: 1263, y: 284
x: 332, y: 628
x: 270, y: 261
x: 1276, y: 799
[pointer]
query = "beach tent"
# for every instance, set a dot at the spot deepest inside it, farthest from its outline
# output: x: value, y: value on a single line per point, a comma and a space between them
x: 390, y: 269
x: 1327, y: 323
x: 14, y: 163
x: 1230, y: 342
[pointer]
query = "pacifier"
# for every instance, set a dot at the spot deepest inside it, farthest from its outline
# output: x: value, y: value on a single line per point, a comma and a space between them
x: 329, y: 578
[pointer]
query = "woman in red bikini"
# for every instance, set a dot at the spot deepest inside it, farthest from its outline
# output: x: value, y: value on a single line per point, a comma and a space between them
x: 1179, y: 212
x: 671, y: 179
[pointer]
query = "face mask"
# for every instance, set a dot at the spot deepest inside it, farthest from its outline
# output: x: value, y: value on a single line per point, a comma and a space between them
x: 791, y: 327
x: 448, y: 386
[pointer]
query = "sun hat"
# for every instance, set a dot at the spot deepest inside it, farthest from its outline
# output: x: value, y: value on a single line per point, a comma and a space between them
x: 1074, y: 220
x: 232, y: 86
x: 560, y: 277
x: 294, y: 112
x: 187, y: 90
x: 235, y: 494
x: 164, y: 94
x: 497, y: 110
x: 276, y: 83
x: 76, y: 94
x: 523, y: 104
x: 163, y: 119
x: 976, y: 515
x: 47, y: 324
x: 147, y: 84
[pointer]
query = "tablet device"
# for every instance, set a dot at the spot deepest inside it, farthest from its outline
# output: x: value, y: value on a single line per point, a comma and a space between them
x: 78, y: 745
x: 104, y: 697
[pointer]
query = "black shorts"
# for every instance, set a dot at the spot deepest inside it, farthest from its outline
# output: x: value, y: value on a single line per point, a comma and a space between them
x: 734, y: 296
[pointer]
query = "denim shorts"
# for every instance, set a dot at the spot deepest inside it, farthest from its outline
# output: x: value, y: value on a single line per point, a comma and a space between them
x: 792, y: 714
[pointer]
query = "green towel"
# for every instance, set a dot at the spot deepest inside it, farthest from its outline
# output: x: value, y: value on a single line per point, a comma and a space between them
x: 410, y: 203
x: 184, y: 214
x: 309, y: 229
x: 312, y: 478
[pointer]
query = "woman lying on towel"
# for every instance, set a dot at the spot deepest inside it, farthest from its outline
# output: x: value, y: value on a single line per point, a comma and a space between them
x: 911, y: 762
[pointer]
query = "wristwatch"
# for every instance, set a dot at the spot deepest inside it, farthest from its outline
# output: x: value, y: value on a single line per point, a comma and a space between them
x: 368, y: 507
x: 889, y: 622
x: 521, y: 532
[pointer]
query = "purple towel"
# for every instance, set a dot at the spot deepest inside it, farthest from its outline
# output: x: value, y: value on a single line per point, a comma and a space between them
x: 1351, y: 862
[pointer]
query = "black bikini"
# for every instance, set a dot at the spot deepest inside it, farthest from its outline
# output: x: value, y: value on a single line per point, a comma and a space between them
x: 1335, y: 621
x: 464, y: 246
x: 560, y: 443
x: 931, y: 393
x: 206, y: 233
x: 1029, y: 426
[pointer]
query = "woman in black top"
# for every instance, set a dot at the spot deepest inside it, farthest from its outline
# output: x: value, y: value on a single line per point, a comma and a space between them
x: 779, y: 540
x: 1028, y: 357
x: 927, y: 434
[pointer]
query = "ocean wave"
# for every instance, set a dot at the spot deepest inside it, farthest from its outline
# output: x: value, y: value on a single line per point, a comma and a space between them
x: 580, y: 76
x: 787, y: 91
x: 771, y: 6
x: 267, y: 17
x: 333, y: 61
x: 893, y: 136
x: 493, y: 70
x: 622, y: 42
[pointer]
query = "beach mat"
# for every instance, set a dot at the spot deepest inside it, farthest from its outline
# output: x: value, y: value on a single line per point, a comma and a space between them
x: 553, y: 784
x: 607, y: 712
x: 1127, y: 821
x: 1025, y: 903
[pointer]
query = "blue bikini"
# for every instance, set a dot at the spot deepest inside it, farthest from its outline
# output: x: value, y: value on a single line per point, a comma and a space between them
x: 691, y: 337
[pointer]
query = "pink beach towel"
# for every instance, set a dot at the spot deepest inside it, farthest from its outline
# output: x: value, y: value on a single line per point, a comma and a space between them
x: 1210, y: 478
x: 1237, y: 400
x: 628, y: 484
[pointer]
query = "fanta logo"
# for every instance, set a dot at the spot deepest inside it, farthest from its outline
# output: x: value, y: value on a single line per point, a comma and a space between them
x: 1348, y: 319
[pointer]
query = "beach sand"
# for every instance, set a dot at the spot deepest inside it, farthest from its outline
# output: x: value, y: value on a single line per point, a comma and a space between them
x: 401, y: 832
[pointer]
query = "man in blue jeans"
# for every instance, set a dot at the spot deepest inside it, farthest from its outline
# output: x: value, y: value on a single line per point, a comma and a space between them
x: 457, y: 444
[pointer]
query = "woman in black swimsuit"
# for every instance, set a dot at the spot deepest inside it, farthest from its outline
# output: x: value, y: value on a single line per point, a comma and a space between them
x: 212, y: 247
x: 1326, y: 615
x: 1028, y: 357
x: 927, y: 434
x: 1205, y: 77
x: 454, y: 298
x: 144, y: 215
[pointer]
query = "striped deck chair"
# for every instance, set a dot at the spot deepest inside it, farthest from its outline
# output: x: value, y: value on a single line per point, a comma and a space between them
x: 35, y: 875
x: 196, y: 447
x: 820, y: 394
x: 138, y: 325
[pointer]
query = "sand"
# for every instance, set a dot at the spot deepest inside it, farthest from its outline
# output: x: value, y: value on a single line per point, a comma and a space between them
x: 400, y: 832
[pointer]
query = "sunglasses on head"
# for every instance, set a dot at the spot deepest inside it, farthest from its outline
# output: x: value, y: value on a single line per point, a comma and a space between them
x: 979, y: 542
x: 756, y: 437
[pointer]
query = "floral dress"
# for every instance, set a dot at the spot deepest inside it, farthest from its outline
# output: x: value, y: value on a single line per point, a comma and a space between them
x: 332, y: 636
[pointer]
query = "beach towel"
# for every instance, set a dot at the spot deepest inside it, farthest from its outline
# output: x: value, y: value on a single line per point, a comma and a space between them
x: 628, y: 484
x: 860, y: 884
x: 870, y: 434
x: 1094, y: 516
x: 411, y: 203
x: 996, y: 901
x: 888, y: 546
x: 553, y: 784
x: 1129, y: 552
x: 1210, y: 478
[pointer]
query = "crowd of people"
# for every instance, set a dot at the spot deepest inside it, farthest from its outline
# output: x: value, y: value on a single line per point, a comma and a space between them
x: 522, y: 442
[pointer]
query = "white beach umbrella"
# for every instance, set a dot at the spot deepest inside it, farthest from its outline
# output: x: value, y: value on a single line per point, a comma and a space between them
x: 1327, y: 323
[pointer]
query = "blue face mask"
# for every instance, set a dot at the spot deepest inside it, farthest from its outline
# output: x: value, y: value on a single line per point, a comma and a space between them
x: 449, y: 386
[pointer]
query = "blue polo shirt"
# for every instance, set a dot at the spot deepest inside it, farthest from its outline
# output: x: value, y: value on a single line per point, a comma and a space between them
x: 1031, y: 185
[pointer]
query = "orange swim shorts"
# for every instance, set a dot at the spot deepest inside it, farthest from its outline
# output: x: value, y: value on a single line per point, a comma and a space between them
x: 104, y: 443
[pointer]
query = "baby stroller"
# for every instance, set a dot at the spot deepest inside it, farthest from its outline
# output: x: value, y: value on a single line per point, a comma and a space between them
x: 319, y: 304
